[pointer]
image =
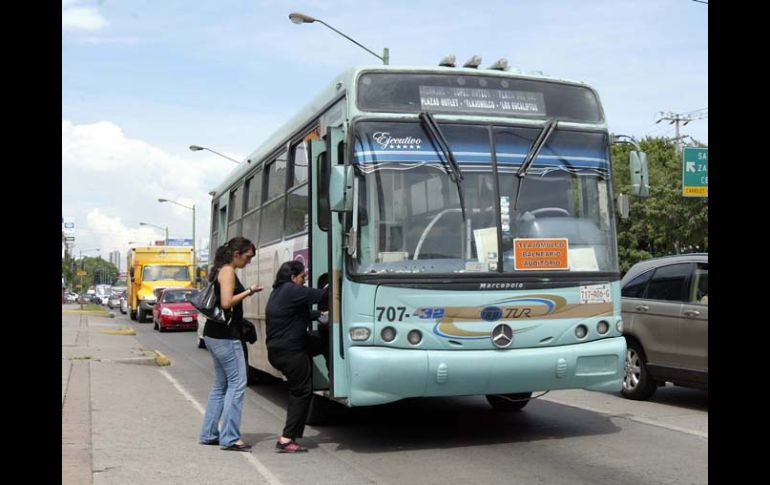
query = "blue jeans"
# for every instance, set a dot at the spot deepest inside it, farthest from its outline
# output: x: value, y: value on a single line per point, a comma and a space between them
x: 226, y: 397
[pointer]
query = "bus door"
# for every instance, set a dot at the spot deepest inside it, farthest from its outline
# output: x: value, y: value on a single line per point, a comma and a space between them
x: 326, y: 265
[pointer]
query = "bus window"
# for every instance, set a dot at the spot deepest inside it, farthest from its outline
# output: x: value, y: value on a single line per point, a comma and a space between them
x: 236, y: 204
x: 297, y: 211
x: 276, y: 177
x: 272, y: 221
x: 323, y: 191
x: 254, y: 194
x: 251, y: 225
x: 298, y: 165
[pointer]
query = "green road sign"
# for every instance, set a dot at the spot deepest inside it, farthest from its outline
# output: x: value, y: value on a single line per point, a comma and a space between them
x: 695, y: 172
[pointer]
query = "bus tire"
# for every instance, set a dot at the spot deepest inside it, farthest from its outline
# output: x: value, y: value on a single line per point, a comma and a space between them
x: 637, y: 382
x: 509, y: 402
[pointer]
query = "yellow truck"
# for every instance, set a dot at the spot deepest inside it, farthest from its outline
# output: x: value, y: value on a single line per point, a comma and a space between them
x: 152, y: 268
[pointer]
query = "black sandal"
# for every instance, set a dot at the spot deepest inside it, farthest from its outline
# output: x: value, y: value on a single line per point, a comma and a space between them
x: 237, y: 447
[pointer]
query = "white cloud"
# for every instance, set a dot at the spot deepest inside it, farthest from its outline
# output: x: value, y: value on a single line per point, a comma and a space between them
x: 111, y: 183
x: 81, y: 18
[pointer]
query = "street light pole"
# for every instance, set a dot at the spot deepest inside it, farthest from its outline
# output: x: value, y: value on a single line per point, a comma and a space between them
x: 159, y: 227
x: 197, y: 148
x: 300, y: 18
x: 195, y: 259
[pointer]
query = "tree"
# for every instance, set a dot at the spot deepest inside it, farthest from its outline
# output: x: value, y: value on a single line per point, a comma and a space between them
x: 665, y: 222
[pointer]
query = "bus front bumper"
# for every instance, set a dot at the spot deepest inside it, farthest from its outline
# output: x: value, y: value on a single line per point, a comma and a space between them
x: 380, y: 375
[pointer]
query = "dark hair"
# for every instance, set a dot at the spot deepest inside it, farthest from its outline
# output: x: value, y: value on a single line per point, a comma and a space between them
x: 286, y: 271
x: 224, y: 254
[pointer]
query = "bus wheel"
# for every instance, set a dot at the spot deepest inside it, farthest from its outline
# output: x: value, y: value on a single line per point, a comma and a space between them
x: 508, y: 402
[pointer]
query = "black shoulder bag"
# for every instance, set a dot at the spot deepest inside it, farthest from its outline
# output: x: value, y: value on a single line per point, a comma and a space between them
x: 207, y: 302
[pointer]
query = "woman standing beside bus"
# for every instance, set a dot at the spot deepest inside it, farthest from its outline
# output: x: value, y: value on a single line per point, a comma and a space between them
x: 224, y: 344
x: 290, y: 346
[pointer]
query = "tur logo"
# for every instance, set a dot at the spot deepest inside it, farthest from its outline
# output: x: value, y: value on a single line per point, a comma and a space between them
x: 491, y: 314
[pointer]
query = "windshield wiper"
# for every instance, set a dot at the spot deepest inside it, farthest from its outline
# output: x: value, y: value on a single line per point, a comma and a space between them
x: 453, y: 168
x: 534, y: 150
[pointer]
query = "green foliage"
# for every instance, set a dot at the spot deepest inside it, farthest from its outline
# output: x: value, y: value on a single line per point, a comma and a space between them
x: 665, y: 222
x: 98, y: 271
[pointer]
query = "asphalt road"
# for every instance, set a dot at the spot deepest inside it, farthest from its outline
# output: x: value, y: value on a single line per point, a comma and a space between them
x: 566, y: 437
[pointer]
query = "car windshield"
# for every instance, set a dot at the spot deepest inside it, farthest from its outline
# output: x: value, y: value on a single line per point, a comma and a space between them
x: 180, y: 296
x: 160, y: 272
x: 557, y: 216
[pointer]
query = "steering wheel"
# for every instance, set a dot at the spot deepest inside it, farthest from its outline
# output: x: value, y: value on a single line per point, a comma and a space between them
x: 550, y: 209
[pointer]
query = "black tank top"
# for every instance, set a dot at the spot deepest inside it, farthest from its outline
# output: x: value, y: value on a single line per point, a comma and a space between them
x: 232, y: 331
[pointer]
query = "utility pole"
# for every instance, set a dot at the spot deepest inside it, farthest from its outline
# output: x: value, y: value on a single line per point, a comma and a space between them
x: 684, y: 118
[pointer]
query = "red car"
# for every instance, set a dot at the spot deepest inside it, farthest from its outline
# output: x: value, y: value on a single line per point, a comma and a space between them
x: 173, y: 310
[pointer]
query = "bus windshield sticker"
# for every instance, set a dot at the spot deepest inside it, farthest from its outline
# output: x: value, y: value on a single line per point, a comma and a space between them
x: 481, y: 100
x: 541, y: 254
x: 583, y: 259
x: 595, y: 294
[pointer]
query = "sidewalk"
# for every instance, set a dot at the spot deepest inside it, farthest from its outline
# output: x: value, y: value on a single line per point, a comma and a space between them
x: 123, y: 422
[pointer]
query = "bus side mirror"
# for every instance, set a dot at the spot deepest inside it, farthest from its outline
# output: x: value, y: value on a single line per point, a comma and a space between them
x: 131, y: 272
x: 341, y: 188
x: 640, y: 182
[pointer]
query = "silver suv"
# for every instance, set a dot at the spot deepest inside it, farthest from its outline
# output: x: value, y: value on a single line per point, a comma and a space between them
x: 665, y: 322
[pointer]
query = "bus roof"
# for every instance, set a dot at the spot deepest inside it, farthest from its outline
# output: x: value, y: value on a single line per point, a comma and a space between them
x: 338, y: 87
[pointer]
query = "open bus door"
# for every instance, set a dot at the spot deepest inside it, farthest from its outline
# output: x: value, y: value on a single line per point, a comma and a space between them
x: 326, y: 155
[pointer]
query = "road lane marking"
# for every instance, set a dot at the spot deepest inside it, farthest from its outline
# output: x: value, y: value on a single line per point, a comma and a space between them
x: 261, y: 469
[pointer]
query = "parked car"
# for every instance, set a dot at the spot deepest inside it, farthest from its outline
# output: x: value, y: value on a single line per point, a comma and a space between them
x: 665, y: 323
x: 173, y: 310
x: 114, y: 300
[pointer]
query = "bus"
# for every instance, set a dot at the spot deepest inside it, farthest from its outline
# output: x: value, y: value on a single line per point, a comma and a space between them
x: 465, y: 222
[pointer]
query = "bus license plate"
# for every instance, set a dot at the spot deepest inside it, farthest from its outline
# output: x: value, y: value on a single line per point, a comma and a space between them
x: 187, y: 319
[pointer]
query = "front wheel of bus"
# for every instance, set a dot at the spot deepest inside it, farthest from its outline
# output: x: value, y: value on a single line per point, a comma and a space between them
x: 509, y: 402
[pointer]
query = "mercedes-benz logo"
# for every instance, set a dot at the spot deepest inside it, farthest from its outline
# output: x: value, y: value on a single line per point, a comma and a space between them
x: 502, y: 336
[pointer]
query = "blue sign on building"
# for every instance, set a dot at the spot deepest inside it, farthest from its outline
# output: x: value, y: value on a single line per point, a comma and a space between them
x: 180, y: 242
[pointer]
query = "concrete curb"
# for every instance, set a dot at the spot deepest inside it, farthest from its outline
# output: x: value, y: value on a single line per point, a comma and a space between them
x: 161, y: 359
x: 120, y: 331
x: 91, y: 312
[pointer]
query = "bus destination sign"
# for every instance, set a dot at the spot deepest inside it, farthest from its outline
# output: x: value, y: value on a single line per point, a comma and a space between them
x: 481, y: 100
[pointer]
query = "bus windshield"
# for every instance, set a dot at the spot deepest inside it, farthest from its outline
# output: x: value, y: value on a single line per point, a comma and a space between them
x: 410, y: 218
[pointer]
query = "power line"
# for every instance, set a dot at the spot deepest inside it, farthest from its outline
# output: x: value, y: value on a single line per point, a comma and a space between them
x: 684, y: 118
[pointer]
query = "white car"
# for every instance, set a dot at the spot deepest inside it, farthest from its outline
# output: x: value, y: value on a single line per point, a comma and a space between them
x: 201, y: 324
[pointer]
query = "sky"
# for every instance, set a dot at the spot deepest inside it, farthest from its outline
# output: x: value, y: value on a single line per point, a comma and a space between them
x: 142, y: 80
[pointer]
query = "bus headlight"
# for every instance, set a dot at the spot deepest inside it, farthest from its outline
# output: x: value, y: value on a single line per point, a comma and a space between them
x: 388, y: 334
x: 581, y: 331
x: 414, y: 337
x: 602, y: 327
x: 619, y: 325
x: 359, y: 334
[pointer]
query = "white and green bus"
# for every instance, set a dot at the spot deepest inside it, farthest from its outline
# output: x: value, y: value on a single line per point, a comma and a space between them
x: 465, y: 221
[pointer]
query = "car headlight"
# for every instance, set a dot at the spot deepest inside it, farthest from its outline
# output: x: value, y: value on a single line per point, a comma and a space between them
x: 166, y: 311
